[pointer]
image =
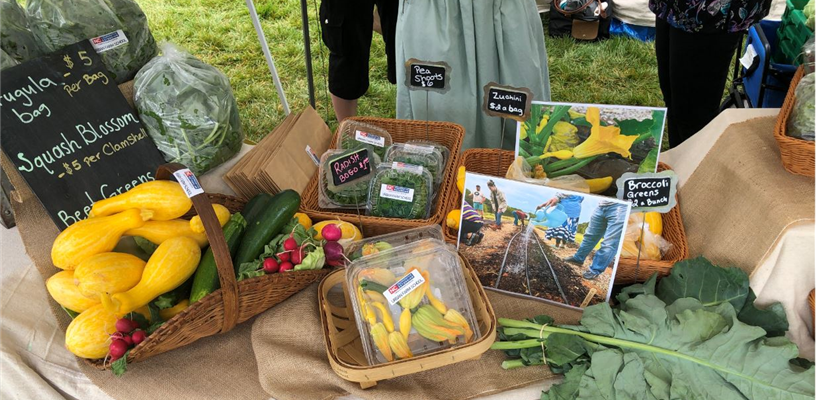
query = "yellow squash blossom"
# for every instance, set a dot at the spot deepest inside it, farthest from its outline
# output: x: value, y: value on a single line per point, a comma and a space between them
x: 561, y: 155
x: 575, y: 114
x: 603, y: 139
x: 523, y: 133
x: 542, y: 123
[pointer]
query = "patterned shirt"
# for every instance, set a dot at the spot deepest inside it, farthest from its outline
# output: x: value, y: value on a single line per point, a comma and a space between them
x: 469, y: 214
x: 710, y: 16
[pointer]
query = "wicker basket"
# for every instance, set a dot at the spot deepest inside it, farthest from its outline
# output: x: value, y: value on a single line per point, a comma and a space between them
x: 234, y: 303
x: 797, y: 154
x: 445, y: 133
x: 812, y: 303
x: 345, y: 349
x: 495, y: 162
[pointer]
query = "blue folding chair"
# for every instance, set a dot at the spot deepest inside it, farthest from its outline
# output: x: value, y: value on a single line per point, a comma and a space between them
x: 764, y: 83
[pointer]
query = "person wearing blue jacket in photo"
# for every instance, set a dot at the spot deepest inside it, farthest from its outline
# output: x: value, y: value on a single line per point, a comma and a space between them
x: 606, y: 223
x: 566, y: 232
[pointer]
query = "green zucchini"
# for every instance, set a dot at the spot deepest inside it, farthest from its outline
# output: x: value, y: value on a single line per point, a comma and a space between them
x: 255, y: 206
x: 205, y: 280
x: 260, y: 232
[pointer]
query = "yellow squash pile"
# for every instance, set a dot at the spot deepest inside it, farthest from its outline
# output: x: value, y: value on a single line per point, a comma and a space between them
x: 102, y: 285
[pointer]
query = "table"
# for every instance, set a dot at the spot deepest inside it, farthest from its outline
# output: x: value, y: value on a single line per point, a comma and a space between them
x: 35, y: 363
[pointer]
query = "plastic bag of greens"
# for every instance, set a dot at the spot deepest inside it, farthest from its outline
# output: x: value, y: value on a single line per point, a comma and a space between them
x: 117, y: 29
x: 15, y: 37
x: 6, y: 60
x: 802, y: 122
x: 188, y: 109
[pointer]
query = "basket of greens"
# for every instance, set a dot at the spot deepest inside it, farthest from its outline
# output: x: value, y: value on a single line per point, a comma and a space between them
x: 354, y: 135
x: 344, y: 178
x: 400, y: 191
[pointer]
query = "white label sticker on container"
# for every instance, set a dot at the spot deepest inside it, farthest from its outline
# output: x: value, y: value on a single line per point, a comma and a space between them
x: 108, y: 41
x: 413, y: 148
x: 369, y: 138
x: 312, y: 155
x: 400, y: 166
x: 403, y: 287
x: 188, y: 182
x: 397, y: 193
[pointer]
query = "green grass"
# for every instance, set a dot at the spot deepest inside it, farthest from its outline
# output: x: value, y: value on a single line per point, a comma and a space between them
x: 616, y: 71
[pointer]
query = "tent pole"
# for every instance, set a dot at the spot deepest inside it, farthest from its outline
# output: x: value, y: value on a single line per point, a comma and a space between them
x: 269, y: 61
x: 307, y: 47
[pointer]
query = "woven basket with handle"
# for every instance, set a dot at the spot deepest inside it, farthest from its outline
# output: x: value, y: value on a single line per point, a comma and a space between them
x: 234, y: 303
x: 345, y: 349
x: 447, y: 134
x: 496, y: 162
x: 798, y: 156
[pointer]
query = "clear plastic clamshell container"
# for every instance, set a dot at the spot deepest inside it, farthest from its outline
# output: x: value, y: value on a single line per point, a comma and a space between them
x: 423, y: 155
x: 342, y: 189
x: 410, y: 301
x: 375, y: 244
x: 400, y: 191
x: 354, y: 135
x: 442, y: 149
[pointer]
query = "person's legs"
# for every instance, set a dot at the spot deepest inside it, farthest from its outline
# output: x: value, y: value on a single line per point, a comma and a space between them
x: 699, y: 65
x: 616, y: 218
x: 593, y: 235
x: 661, y: 44
x: 346, y: 31
x: 468, y: 227
x: 557, y: 242
x: 388, y: 11
x: 498, y: 218
x: 515, y: 219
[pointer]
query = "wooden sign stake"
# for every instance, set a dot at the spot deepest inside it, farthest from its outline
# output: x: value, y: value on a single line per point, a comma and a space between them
x: 506, y: 102
x: 427, y: 76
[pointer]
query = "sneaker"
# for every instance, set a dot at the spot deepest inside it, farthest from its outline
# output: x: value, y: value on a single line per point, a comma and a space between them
x: 479, y: 238
x: 574, y: 261
x: 590, y: 275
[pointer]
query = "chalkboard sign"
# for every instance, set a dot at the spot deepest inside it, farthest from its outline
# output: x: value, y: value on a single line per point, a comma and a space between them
x: 350, y: 167
x: 71, y: 134
x: 507, y: 101
x: 649, y: 191
x: 427, y: 75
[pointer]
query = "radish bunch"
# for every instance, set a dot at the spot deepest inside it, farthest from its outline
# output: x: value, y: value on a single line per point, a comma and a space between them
x: 128, y: 335
x: 294, y: 254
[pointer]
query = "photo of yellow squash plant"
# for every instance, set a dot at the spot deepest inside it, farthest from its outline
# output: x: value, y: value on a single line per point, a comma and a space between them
x: 593, y: 141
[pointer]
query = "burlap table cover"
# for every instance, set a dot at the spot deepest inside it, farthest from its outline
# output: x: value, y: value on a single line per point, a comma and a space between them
x: 730, y: 224
x: 292, y: 363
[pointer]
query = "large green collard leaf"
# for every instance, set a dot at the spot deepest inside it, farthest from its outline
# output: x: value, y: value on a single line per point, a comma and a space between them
x: 700, y: 279
x: 683, y: 351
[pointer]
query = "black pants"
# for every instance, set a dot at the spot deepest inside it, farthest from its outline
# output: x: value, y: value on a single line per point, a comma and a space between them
x: 469, y: 227
x: 692, y: 68
x: 347, y: 29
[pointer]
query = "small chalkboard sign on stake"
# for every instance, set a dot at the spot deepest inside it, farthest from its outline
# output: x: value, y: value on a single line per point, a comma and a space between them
x: 506, y: 102
x: 350, y: 167
x: 648, y: 192
x: 427, y: 76
x: 71, y: 134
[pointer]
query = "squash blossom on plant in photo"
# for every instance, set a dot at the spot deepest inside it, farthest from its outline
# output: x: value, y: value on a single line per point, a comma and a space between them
x: 603, y: 139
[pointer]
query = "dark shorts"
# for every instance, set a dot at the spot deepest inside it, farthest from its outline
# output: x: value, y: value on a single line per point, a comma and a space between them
x: 347, y: 29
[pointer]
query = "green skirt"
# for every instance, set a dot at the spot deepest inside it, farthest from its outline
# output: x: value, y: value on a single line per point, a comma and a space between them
x: 483, y: 41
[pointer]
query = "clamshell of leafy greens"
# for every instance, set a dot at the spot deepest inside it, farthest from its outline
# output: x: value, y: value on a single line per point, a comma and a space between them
x: 354, y: 135
x: 401, y: 178
x: 695, y: 335
x: 16, y: 39
x: 428, y: 157
x: 59, y: 23
x: 188, y: 108
x: 352, y: 195
x: 442, y: 149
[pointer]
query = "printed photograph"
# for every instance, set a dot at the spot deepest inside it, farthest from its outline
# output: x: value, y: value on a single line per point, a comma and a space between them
x: 592, y: 140
x: 547, y: 243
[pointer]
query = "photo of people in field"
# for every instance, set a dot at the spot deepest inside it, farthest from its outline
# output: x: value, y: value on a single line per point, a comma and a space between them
x: 543, y: 242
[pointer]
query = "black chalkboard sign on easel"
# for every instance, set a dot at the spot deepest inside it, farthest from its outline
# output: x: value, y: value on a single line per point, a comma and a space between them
x: 71, y: 134
x: 507, y: 101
